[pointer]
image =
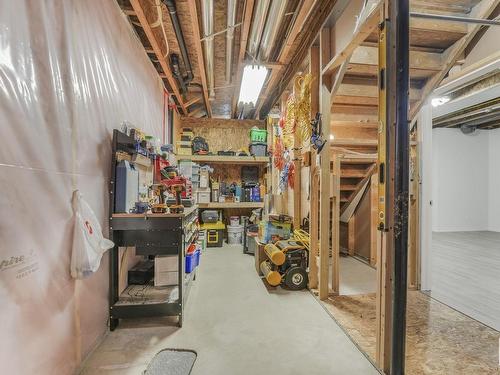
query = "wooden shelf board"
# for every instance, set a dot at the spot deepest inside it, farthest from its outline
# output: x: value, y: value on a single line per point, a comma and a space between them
x: 226, y: 159
x: 232, y: 205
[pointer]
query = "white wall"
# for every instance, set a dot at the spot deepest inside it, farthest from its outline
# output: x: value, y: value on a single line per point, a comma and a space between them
x: 70, y: 72
x: 460, y: 180
x: 494, y: 182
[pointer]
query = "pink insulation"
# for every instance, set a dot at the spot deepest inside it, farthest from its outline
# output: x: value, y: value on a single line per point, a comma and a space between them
x: 70, y: 72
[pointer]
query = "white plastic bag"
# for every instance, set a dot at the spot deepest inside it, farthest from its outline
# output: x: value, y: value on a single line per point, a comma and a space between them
x: 88, y: 242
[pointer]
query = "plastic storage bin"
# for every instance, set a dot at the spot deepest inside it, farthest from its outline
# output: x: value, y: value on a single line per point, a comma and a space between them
x: 258, y: 135
x: 258, y: 149
x: 234, y: 234
x: 191, y: 261
x: 209, y: 216
x: 215, y: 233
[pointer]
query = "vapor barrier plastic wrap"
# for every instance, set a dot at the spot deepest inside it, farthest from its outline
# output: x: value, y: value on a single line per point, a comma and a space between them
x: 70, y: 72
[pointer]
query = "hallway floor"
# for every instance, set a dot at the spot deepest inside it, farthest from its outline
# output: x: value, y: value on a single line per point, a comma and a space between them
x: 237, y: 326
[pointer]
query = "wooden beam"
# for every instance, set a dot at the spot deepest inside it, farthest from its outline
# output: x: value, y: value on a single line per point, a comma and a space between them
x: 314, y: 226
x: 192, y: 101
x: 482, y: 10
x: 269, y: 64
x: 371, y: 91
x: 283, y: 57
x: 324, y: 230
x: 336, y: 226
x: 374, y: 234
x: 199, y: 53
x: 359, y: 36
x: 355, y: 124
x: 197, y: 112
x: 295, y: 57
x: 351, y: 234
x: 368, y: 55
x: 157, y: 50
x: 245, y: 29
x: 314, y: 69
x: 354, y: 142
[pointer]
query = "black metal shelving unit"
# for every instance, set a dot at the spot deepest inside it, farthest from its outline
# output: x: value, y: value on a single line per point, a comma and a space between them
x: 150, y: 234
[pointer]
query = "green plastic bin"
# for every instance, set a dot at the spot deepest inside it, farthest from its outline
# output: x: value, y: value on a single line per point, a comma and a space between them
x: 258, y: 135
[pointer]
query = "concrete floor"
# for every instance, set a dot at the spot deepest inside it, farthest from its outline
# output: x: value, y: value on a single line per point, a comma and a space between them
x: 356, y: 277
x: 237, y: 326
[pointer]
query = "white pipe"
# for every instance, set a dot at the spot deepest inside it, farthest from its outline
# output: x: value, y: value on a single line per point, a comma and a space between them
x: 207, y: 8
x: 274, y: 19
x: 231, y: 21
x: 258, y: 22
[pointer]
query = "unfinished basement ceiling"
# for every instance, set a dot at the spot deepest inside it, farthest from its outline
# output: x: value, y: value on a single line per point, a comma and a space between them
x: 273, y: 36
x: 475, y: 105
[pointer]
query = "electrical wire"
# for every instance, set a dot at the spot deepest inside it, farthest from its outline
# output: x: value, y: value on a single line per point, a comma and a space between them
x: 301, y: 236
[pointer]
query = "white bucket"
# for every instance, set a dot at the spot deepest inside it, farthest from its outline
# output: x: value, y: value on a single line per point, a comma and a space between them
x: 234, y: 220
x: 234, y: 234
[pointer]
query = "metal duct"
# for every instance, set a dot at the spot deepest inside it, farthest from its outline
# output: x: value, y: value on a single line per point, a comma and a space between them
x: 231, y: 20
x: 183, y: 81
x: 274, y: 19
x: 259, y: 19
x: 207, y: 10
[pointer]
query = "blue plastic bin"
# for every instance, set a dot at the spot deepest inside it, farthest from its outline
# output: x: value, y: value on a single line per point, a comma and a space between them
x: 192, y: 261
x: 197, y: 255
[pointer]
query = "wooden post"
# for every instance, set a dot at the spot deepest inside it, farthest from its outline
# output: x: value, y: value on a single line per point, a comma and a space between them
x: 297, y: 146
x: 314, y: 227
x: 324, y: 199
x: 313, y: 176
x: 351, y: 234
x: 374, y: 240
x: 336, y: 226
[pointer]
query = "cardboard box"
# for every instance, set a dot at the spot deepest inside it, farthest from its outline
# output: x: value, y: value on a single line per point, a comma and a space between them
x: 204, y: 179
x: 166, y: 278
x: 166, y: 267
x: 165, y: 263
x: 203, y: 197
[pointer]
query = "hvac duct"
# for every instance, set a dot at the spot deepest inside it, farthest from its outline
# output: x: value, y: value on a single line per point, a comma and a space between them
x: 174, y: 60
x: 207, y: 9
x: 231, y: 20
x: 274, y: 20
x: 258, y: 22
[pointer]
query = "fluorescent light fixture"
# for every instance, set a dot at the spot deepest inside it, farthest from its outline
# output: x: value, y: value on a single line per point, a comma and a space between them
x: 251, y: 84
x: 440, y: 101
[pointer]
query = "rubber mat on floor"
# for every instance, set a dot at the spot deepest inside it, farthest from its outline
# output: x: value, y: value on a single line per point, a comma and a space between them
x: 171, y: 362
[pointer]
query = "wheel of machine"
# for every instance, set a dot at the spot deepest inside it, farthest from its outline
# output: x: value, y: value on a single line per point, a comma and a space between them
x: 296, y: 278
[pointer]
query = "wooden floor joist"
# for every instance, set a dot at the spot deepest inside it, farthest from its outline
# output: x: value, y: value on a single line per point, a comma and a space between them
x: 199, y: 53
x: 139, y: 12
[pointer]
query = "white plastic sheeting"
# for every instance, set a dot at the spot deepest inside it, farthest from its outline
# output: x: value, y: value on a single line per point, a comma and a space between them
x: 70, y: 72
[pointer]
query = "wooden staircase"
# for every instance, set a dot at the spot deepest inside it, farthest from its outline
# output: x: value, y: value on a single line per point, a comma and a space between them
x: 354, y: 173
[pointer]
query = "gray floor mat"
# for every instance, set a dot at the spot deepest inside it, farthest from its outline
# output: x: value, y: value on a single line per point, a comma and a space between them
x: 171, y: 362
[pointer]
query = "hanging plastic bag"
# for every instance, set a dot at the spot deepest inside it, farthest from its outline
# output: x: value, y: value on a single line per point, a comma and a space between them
x: 88, y: 242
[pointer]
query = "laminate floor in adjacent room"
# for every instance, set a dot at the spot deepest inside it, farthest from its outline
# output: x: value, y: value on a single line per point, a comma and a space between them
x: 237, y: 326
x: 466, y: 273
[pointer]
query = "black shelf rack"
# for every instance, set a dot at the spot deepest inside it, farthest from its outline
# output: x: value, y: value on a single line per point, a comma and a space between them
x: 150, y: 234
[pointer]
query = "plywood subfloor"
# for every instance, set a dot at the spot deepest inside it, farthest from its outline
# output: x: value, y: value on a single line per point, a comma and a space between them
x: 440, y: 340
